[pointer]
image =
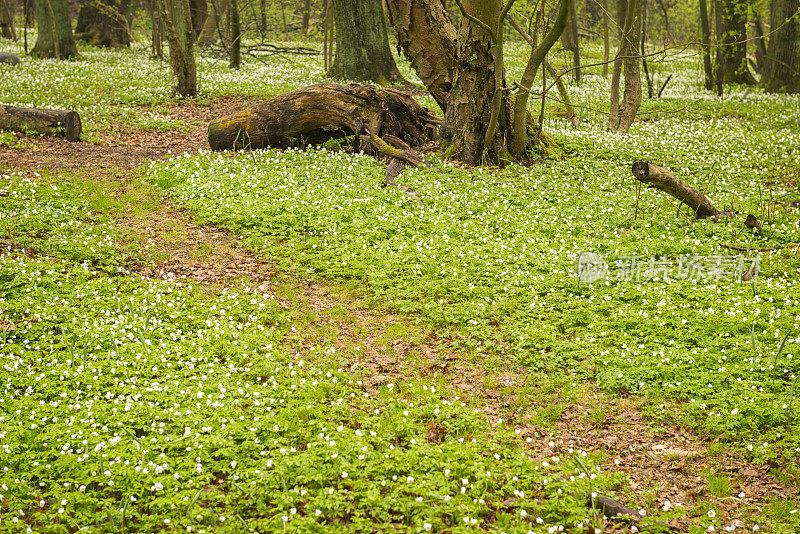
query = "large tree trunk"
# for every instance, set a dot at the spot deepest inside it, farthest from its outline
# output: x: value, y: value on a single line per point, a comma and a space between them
x: 428, y: 39
x: 362, y: 43
x: 7, y: 20
x: 783, y: 54
x: 469, y: 110
x: 705, y: 38
x: 180, y: 35
x: 55, y: 38
x: 62, y: 123
x: 321, y: 112
x: 104, y: 23
x: 732, y: 38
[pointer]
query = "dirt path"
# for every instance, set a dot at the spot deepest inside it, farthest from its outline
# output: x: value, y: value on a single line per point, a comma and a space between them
x: 661, y: 462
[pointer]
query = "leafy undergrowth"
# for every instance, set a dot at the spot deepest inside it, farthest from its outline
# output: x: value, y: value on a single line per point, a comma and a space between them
x: 153, y: 405
x: 150, y: 405
x: 494, y: 253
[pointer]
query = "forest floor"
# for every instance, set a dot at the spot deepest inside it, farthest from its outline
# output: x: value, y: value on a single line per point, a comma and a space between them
x: 662, y: 463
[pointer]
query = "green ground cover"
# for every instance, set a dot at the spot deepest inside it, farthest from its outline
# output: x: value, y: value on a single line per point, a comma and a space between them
x: 158, y: 405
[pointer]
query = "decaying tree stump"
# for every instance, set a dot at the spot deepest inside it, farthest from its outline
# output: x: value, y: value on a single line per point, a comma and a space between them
x: 56, y: 122
x: 664, y: 180
x: 318, y: 113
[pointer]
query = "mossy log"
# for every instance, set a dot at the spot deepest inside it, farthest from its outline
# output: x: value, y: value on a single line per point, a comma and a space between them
x: 318, y: 113
x: 9, y: 58
x: 56, y: 122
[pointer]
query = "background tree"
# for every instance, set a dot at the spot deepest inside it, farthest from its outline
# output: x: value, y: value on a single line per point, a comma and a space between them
x: 362, y: 43
x: 621, y: 116
x: 7, y: 20
x: 55, y: 39
x: 217, y: 10
x: 177, y: 18
x: 783, y: 55
x: 732, y: 42
x: 105, y: 23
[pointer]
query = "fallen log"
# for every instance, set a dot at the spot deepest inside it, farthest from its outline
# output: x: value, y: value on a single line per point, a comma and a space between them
x: 56, y: 122
x: 664, y: 180
x: 9, y: 58
x: 325, y: 111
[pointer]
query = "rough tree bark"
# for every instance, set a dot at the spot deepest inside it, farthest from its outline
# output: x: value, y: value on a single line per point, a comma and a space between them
x: 62, y: 123
x: 55, y: 39
x: 622, y: 116
x: 428, y: 39
x: 325, y: 111
x: 180, y: 35
x: 362, y: 43
x: 783, y: 55
x: 104, y: 23
x: 469, y: 109
x: 732, y: 42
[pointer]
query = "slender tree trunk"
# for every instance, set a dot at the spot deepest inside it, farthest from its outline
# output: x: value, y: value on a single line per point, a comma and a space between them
x: 632, y: 96
x: 784, y: 48
x: 236, y: 35
x: 263, y: 26
x: 469, y: 110
x: 55, y: 38
x: 705, y: 38
x: 606, y: 39
x: 576, y: 49
x: 157, y: 36
x: 7, y: 30
x: 217, y: 11
x: 362, y: 43
x: 647, y: 76
x: 733, y: 42
x: 428, y: 39
x: 105, y: 23
x: 180, y: 35
x: 718, y: 65
x: 622, y: 116
x: 199, y: 10
x: 306, y: 16
x: 537, y: 57
x: 762, y: 64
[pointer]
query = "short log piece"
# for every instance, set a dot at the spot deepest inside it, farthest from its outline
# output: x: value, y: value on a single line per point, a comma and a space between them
x: 56, y: 122
x: 9, y: 58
